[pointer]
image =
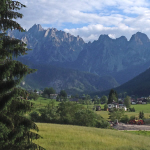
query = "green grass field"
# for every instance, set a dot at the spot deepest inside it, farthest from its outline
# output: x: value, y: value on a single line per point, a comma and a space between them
x: 68, y: 137
x: 145, y: 133
x: 139, y: 107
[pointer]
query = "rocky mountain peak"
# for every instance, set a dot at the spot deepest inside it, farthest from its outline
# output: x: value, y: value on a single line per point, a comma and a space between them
x: 104, y: 37
x: 35, y: 28
x: 122, y: 38
x: 139, y: 38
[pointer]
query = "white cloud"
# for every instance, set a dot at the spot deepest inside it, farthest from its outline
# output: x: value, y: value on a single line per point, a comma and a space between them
x: 112, y: 17
x: 97, y: 30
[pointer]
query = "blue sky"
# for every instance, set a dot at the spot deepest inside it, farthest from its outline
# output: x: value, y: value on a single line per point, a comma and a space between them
x: 89, y: 18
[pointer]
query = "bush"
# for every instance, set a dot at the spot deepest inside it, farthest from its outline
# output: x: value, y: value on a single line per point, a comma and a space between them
x: 132, y: 109
x: 91, y: 119
x: 105, y: 107
x: 85, y: 118
x: 102, y: 123
x: 124, y: 119
x: 141, y: 115
x: 132, y: 118
x: 147, y: 121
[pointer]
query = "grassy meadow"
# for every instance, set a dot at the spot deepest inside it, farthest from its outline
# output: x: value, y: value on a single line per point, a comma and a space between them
x: 69, y: 137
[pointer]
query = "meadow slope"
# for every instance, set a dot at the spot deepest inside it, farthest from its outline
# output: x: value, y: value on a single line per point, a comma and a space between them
x: 69, y: 137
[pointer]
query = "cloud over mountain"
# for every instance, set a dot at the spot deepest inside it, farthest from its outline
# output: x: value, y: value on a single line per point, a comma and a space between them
x: 89, y: 18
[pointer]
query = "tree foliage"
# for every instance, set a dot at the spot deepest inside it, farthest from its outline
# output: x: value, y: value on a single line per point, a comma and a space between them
x: 48, y: 91
x: 116, y: 114
x: 104, y: 99
x: 70, y: 113
x: 141, y: 115
x: 15, y: 129
x: 105, y: 107
x: 112, y: 96
x: 63, y: 94
x: 127, y: 102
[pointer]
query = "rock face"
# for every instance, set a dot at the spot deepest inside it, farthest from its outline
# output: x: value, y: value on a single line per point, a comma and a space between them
x: 115, y: 56
x: 49, y: 45
x: 119, y: 58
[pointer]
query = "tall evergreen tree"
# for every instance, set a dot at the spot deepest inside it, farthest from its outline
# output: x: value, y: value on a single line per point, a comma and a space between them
x: 15, y: 129
x: 112, y: 96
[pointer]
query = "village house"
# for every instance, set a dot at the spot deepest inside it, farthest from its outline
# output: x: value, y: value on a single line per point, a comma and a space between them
x: 98, y: 108
x: 68, y: 96
x: 53, y: 96
x: 117, y: 106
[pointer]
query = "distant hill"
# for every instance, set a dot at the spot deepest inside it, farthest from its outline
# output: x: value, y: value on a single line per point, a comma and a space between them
x: 73, y: 81
x: 138, y: 86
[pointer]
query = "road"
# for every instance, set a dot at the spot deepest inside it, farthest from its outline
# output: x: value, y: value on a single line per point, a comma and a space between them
x: 122, y: 126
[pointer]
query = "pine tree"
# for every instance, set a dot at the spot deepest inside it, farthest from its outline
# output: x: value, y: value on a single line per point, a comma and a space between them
x: 112, y: 96
x: 15, y: 129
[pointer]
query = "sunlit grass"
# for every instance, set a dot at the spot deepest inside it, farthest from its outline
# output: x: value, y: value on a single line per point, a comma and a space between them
x: 142, y: 107
x: 68, y: 137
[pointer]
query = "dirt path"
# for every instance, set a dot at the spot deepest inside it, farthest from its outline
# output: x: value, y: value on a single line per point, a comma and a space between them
x: 122, y: 126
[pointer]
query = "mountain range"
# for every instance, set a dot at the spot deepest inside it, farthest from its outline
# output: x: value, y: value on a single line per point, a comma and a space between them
x: 119, y: 58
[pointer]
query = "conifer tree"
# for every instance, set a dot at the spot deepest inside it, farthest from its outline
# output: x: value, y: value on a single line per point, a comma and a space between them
x: 112, y: 96
x: 15, y: 129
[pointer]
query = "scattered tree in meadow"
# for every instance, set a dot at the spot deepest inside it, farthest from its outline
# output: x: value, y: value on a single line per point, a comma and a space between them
x: 63, y: 94
x: 141, y: 115
x: 116, y: 114
x: 127, y: 102
x: 105, y: 107
x: 104, y: 99
x: 112, y: 96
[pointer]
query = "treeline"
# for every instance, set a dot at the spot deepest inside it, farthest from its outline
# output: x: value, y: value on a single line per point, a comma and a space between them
x: 69, y: 113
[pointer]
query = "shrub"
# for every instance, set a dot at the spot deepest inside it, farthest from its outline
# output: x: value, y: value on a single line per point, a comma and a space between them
x: 132, y: 109
x: 124, y: 119
x: 132, y: 118
x: 147, y: 121
x: 91, y: 119
x: 141, y: 115
x: 85, y: 118
x: 105, y: 107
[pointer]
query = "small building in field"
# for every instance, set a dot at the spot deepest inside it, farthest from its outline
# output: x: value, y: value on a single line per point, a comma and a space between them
x: 144, y: 101
x: 53, y: 96
x: 98, y: 108
x: 133, y: 102
x: 68, y: 96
